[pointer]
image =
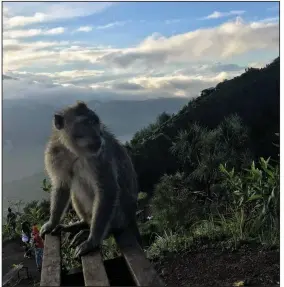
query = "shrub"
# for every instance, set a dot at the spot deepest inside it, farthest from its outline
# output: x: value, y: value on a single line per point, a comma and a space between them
x: 174, y: 205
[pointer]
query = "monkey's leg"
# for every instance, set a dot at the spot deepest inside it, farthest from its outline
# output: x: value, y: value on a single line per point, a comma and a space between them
x: 58, y: 204
x: 103, y: 211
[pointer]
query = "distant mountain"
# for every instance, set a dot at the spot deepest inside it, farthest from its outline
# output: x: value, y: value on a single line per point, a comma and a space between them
x: 28, y: 122
x: 26, y: 189
x: 27, y: 125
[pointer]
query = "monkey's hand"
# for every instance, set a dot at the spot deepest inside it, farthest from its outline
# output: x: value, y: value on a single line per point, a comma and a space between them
x: 86, y: 247
x: 59, y: 228
x: 46, y: 228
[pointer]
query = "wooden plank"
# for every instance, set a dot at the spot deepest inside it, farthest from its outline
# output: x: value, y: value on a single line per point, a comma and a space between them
x: 11, y: 274
x: 51, y: 263
x: 94, y: 270
x: 140, y: 267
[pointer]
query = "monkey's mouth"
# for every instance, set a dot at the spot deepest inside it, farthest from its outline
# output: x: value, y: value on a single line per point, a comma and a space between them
x: 94, y: 147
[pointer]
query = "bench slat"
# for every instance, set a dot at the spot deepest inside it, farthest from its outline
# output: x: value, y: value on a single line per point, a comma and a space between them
x: 10, y: 275
x: 140, y: 267
x: 94, y: 270
x: 51, y: 264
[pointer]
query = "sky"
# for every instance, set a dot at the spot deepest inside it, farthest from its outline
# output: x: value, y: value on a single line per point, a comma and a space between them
x: 132, y: 50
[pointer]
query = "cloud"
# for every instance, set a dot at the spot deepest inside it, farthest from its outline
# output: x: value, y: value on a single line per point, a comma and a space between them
x: 111, y: 25
x: 222, y: 42
x: 13, y: 34
x: 108, y: 85
x: 64, y: 94
x: 270, y: 20
x: 47, y: 12
x: 84, y: 29
x: 70, y: 74
x: 217, y: 14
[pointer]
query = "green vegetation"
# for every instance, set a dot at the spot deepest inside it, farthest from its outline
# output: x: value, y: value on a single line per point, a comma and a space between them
x: 213, y: 167
x: 213, y: 170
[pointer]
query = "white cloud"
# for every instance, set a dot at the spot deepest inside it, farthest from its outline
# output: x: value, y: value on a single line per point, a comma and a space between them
x: 84, y: 29
x: 13, y: 34
x: 217, y: 14
x: 221, y: 42
x: 47, y: 12
x: 106, y: 85
x: 270, y: 20
x: 111, y: 25
x: 55, y: 31
x: 179, y: 65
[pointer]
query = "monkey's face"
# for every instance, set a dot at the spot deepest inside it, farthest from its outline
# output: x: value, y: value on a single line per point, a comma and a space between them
x: 82, y: 127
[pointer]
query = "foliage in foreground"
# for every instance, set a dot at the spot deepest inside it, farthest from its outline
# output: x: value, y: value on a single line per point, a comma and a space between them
x: 251, y: 215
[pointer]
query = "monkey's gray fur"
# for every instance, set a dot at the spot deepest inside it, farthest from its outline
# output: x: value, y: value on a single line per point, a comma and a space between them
x: 87, y: 165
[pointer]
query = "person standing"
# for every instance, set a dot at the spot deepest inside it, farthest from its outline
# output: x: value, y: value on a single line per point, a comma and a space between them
x: 11, y: 220
x: 26, y: 238
x: 38, y: 246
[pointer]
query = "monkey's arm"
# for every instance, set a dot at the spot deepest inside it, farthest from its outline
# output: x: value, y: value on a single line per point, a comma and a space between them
x: 103, y: 211
x: 59, y: 200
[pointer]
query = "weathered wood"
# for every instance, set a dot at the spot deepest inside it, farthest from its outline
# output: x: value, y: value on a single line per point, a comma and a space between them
x: 94, y: 270
x: 51, y: 264
x: 11, y: 274
x: 140, y: 267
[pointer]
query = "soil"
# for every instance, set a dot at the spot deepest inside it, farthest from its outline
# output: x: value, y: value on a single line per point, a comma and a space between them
x: 208, y: 267
x: 213, y: 267
x: 13, y: 253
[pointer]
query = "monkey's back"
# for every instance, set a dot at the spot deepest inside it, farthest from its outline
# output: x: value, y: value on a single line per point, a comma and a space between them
x: 126, y: 179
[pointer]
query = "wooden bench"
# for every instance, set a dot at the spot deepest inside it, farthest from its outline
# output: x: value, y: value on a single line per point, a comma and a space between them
x: 7, y: 278
x: 94, y: 270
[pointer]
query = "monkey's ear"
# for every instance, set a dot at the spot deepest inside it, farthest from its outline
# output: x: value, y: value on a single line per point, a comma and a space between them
x: 81, y: 104
x: 58, y: 121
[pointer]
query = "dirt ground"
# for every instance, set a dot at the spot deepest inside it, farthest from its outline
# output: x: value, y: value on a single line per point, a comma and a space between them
x: 13, y: 253
x: 213, y: 267
x: 209, y: 267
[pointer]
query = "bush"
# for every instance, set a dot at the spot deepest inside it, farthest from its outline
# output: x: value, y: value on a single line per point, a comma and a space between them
x: 174, y: 205
x: 255, y: 200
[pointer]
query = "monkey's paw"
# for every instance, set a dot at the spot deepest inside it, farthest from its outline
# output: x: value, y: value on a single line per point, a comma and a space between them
x: 86, y: 247
x: 46, y: 228
x: 59, y: 228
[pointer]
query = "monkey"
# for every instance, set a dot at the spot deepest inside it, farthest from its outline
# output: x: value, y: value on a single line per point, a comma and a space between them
x: 90, y: 168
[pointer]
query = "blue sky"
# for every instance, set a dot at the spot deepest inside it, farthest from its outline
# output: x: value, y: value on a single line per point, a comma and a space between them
x: 123, y: 48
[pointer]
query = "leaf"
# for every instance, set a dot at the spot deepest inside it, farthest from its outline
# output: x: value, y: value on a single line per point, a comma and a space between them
x: 239, y: 283
x: 254, y: 197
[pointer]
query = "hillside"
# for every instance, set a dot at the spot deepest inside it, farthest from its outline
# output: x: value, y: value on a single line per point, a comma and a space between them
x: 254, y: 96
